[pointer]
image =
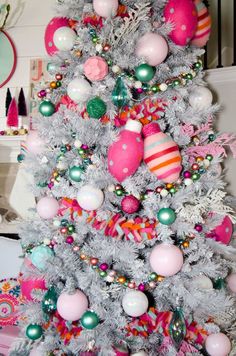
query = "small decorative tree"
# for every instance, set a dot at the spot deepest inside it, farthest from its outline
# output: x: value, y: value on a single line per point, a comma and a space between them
x: 8, y: 100
x: 12, y: 116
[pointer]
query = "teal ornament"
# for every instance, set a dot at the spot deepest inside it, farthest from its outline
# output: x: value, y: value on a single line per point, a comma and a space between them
x: 145, y: 72
x: 40, y: 255
x: 96, y: 108
x: 177, y: 328
x: 20, y: 157
x: 51, y: 67
x: 49, y: 302
x: 46, y: 108
x: 219, y: 284
x: 120, y: 95
x: 89, y: 320
x: 76, y: 173
x: 166, y: 216
x: 34, y: 332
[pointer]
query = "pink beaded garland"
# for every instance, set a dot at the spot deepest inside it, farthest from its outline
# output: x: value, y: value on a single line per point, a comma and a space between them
x: 95, y: 68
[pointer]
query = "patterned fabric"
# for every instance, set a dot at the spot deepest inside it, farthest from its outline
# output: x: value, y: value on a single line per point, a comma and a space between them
x: 9, y: 301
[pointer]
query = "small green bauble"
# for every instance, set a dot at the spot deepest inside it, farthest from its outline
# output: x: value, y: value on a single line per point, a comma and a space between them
x: 63, y: 149
x: 58, y: 83
x: 209, y: 157
x: 119, y: 192
x: 71, y: 229
x: 49, y: 303
x: 197, y: 65
x: 196, y: 176
x: 64, y: 222
x: 172, y: 190
x: 189, y: 76
x: 166, y: 216
x: 20, y: 157
x: 96, y: 108
x: 76, y: 173
x: 154, y: 88
x: 176, y: 82
x: 34, y: 332
x: 89, y: 320
x: 42, y: 184
x: 211, y: 137
x: 152, y: 276
x: 46, y: 108
x: 51, y: 67
x: 103, y: 274
x: 144, y: 72
x: 219, y: 284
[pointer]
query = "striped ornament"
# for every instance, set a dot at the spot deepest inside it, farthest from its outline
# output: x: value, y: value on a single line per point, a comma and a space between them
x: 203, y: 31
x: 161, y: 154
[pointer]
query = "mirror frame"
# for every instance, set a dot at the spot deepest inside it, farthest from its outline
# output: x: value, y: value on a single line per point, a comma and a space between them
x: 14, y: 60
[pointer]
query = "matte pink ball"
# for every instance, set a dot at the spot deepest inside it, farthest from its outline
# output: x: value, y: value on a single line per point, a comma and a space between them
x: 51, y: 28
x: 130, y: 204
x: 166, y: 260
x: 72, y: 306
x: 203, y: 31
x: 231, y: 282
x: 95, y: 68
x: 223, y: 232
x: 183, y: 16
x: 35, y: 352
x: 105, y: 8
x: 34, y: 143
x: 47, y: 207
x: 153, y: 48
x: 218, y: 345
x: 29, y: 285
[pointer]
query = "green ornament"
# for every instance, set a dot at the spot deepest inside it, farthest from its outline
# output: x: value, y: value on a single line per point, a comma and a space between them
x: 34, y: 332
x: 177, y: 328
x: 176, y: 82
x: 154, y: 88
x: 96, y: 108
x: 120, y: 95
x: 42, y: 184
x: 219, y: 284
x: 209, y: 157
x: 197, y: 65
x: 89, y: 320
x: 166, y: 216
x: 196, y: 176
x: 20, y: 157
x: 46, y: 108
x: 172, y: 190
x: 49, y: 303
x: 71, y: 229
x: 152, y: 276
x: 94, y: 39
x: 51, y: 67
x: 145, y: 72
x: 103, y: 274
x: 119, y: 192
x: 73, y: 135
x: 63, y: 149
x: 189, y: 76
x: 64, y: 222
x: 58, y: 83
x: 76, y: 173
x: 211, y: 137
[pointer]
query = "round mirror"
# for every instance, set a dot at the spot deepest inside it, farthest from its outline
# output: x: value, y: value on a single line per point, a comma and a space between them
x: 7, y: 58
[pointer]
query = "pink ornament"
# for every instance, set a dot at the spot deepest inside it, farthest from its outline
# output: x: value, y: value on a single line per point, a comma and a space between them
x: 126, y: 154
x: 95, y: 68
x: 51, y: 28
x: 223, y: 232
x: 218, y: 345
x: 203, y: 31
x: 153, y: 48
x: 182, y: 14
x: 231, y: 282
x: 34, y: 143
x: 121, y: 351
x: 28, y: 285
x: 166, y: 260
x: 72, y: 306
x: 106, y: 8
x: 130, y: 204
x: 161, y: 154
x: 35, y: 352
x: 47, y: 207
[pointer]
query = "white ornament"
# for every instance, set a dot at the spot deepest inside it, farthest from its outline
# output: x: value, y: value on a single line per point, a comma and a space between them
x: 164, y: 193
x: 138, y: 84
x: 135, y: 303
x: 90, y: 198
x: 140, y: 353
x: 111, y: 188
x: 77, y: 143
x: 116, y: 69
x: 206, y: 163
x: 46, y: 241
x: 99, y: 47
x: 79, y: 90
x: 64, y: 38
x: 200, y: 98
x: 188, y: 182
x: 202, y: 282
x: 163, y: 87
x: 110, y: 279
x: 106, y: 8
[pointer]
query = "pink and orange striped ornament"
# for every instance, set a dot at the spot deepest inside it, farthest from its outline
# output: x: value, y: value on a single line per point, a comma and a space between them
x: 161, y: 154
x: 203, y: 31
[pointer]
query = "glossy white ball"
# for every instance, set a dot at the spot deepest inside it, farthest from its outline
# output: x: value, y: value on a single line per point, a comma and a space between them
x: 140, y: 353
x: 90, y: 198
x: 79, y: 90
x: 64, y: 38
x: 202, y: 282
x: 200, y: 98
x: 106, y: 8
x: 135, y: 303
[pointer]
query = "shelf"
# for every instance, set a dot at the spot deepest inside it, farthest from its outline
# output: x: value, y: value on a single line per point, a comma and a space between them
x: 6, y: 138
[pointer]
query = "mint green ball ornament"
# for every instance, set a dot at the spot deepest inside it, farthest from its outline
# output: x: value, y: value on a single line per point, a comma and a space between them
x: 34, y: 332
x: 76, y: 173
x: 96, y: 108
x: 89, y: 320
x: 166, y: 216
x: 46, y: 108
x: 144, y: 72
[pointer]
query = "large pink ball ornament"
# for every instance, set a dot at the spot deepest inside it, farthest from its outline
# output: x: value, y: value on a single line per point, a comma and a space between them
x: 51, y: 28
x: 72, y: 306
x: 166, y: 260
x: 34, y: 143
x: 182, y: 14
x: 231, y: 282
x: 47, y: 207
x: 95, y: 68
x: 218, y: 345
x: 153, y: 48
x: 106, y: 8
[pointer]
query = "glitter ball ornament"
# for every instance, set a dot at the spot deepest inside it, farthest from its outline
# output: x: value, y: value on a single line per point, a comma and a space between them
x: 46, y: 108
x: 152, y: 47
x: 135, y: 303
x: 72, y: 306
x: 218, y: 345
x: 34, y: 332
x: 144, y: 72
x: 49, y: 302
x: 96, y: 108
x: 200, y: 98
x: 106, y: 8
x: 166, y: 216
x: 64, y: 38
x: 40, y: 256
x: 95, y: 68
x: 47, y: 207
x: 130, y: 204
x: 203, y: 31
x: 90, y: 198
x: 166, y: 260
x: 79, y: 90
x: 89, y: 320
x: 76, y: 173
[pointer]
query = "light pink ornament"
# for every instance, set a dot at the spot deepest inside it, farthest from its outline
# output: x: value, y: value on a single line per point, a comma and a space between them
x: 130, y: 204
x: 106, y: 8
x: 29, y: 285
x: 153, y: 48
x: 95, y: 68
x: 34, y: 143
x: 161, y: 154
x: 72, y: 306
x: 182, y: 14
x: 203, y: 31
x: 166, y: 260
x: 47, y: 207
x: 126, y: 154
x: 218, y: 345
x: 35, y: 352
x: 231, y: 282
x: 51, y: 28
x: 223, y: 232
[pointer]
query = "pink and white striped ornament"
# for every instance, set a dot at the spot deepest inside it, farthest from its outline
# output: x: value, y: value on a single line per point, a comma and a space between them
x: 203, y: 31
x: 161, y: 154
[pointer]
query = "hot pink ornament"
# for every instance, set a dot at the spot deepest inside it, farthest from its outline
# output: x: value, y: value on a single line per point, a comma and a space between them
x: 218, y: 345
x: 72, y: 306
x: 166, y: 260
x: 130, y: 204
x: 223, y: 232
x: 34, y: 143
x: 47, y: 207
x: 153, y: 48
x: 51, y: 28
x: 29, y: 285
x: 231, y: 282
x: 161, y: 154
x: 183, y: 16
x: 95, y: 68
x: 126, y: 154
x: 203, y: 31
